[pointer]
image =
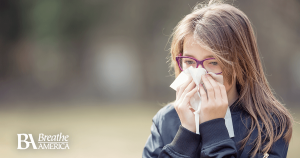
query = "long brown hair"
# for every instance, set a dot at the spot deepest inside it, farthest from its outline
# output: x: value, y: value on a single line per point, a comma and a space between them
x: 227, y: 32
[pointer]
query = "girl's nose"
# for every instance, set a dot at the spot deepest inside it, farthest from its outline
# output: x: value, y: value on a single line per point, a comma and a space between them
x: 200, y: 66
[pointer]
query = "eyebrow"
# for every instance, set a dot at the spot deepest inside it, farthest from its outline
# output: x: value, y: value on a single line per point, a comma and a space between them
x: 208, y: 56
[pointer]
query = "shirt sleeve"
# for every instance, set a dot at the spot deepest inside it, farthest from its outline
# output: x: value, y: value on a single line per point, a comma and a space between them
x: 184, y: 145
x: 216, y: 141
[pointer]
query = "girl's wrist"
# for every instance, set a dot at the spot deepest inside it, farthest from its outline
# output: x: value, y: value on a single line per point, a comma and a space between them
x: 190, y: 128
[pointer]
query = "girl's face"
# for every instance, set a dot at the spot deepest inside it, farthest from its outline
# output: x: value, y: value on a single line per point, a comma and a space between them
x: 192, y: 49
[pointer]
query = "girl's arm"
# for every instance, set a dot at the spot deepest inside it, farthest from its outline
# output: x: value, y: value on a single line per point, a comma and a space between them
x: 154, y: 143
x: 215, y: 138
x: 184, y: 145
x: 185, y: 140
x: 216, y: 141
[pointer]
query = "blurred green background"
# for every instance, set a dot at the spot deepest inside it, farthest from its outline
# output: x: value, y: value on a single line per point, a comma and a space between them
x: 97, y: 70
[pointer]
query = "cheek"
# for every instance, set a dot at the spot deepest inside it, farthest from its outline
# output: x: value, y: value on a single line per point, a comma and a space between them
x: 227, y: 87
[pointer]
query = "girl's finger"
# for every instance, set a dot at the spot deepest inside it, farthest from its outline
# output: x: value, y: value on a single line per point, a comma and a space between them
x: 183, y: 86
x: 188, y: 96
x: 203, y: 94
x: 216, y: 88
x: 177, y: 91
x: 191, y: 108
x: 209, y: 88
x: 223, y: 93
x: 188, y: 88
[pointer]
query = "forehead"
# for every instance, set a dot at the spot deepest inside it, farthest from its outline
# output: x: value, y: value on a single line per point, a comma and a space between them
x: 192, y: 48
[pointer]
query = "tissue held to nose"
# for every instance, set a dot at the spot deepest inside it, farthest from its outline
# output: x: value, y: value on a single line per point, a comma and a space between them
x: 187, y: 96
x: 184, y: 92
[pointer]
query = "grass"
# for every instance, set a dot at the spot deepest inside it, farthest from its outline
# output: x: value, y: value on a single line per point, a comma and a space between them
x: 94, y: 129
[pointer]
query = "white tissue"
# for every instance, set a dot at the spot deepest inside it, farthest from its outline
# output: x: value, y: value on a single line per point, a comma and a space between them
x: 195, y: 101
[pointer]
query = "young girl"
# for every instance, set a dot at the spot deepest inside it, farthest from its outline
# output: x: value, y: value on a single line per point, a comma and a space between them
x: 219, y: 38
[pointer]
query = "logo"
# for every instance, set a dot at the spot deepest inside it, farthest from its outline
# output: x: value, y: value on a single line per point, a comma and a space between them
x: 58, y: 141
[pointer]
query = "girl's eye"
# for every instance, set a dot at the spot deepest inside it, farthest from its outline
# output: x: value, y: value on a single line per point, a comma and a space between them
x: 214, y: 63
x: 190, y: 62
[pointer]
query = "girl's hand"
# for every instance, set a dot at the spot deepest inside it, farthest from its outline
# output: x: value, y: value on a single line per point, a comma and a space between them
x: 214, y: 102
x: 182, y: 104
